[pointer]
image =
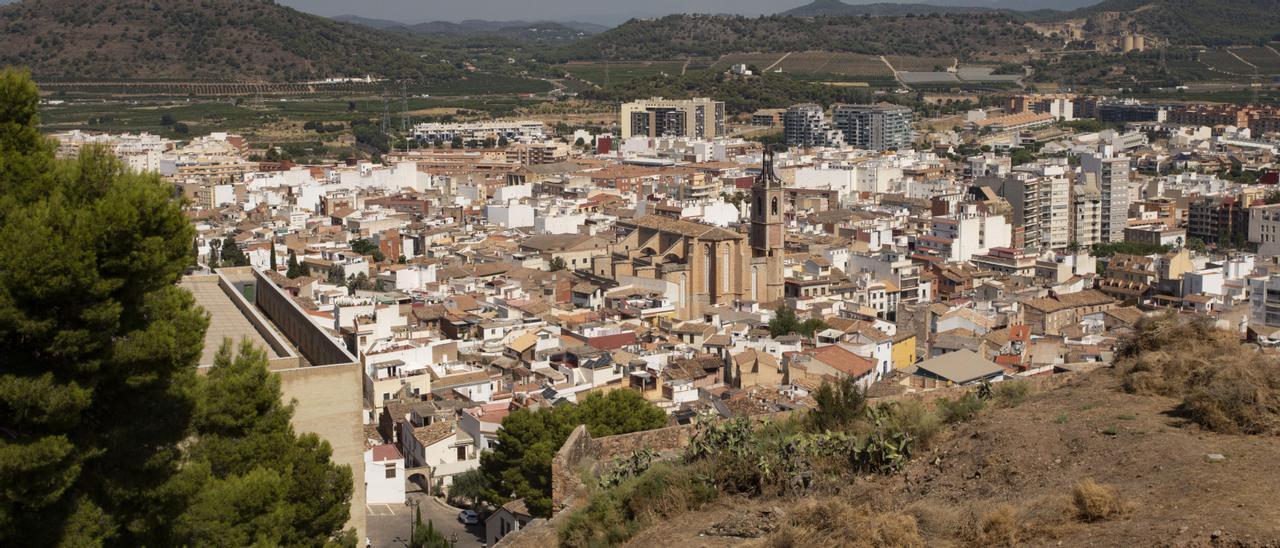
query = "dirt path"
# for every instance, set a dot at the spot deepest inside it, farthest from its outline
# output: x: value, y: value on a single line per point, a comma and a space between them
x: 775, y: 63
x: 1241, y: 59
x: 896, y: 77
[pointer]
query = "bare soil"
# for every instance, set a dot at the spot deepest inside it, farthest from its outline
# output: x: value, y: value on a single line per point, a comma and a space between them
x: 1030, y: 457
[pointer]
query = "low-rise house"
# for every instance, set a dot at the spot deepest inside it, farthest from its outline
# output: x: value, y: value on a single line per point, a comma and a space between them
x: 510, y: 517
x: 960, y: 368
x: 383, y: 475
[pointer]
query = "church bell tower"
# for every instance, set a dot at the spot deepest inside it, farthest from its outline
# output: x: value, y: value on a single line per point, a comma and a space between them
x: 767, y: 233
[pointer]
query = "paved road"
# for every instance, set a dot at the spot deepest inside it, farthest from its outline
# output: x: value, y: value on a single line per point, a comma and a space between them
x: 388, y: 524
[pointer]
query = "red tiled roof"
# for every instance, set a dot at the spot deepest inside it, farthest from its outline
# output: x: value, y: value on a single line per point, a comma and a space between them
x: 843, y: 360
x: 383, y: 453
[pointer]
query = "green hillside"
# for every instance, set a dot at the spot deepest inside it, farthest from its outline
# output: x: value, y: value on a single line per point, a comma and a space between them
x: 195, y: 40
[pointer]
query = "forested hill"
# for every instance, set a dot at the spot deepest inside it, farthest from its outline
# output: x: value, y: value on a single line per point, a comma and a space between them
x: 1193, y: 22
x: 959, y: 35
x: 199, y: 39
x: 824, y: 8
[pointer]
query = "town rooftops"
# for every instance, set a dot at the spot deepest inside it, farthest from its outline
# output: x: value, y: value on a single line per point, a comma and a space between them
x: 683, y: 228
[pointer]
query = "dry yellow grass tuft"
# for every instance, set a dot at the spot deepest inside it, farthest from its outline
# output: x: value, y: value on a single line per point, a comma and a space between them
x: 1097, y: 502
x: 835, y: 522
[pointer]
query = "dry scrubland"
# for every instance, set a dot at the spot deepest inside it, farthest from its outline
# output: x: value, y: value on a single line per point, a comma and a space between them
x: 1174, y: 446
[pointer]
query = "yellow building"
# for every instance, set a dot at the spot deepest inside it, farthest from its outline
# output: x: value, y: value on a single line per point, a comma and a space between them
x: 904, y: 351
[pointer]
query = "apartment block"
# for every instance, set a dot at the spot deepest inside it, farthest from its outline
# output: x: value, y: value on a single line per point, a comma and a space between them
x: 699, y: 117
x: 875, y: 127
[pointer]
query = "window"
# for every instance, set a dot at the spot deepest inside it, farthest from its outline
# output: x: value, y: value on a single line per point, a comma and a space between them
x: 462, y: 452
x: 391, y: 471
x: 773, y: 206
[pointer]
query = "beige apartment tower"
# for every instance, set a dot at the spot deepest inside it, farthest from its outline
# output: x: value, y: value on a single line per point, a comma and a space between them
x: 699, y: 118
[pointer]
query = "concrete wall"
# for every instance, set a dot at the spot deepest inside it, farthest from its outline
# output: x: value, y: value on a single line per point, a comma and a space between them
x: 315, y: 345
x: 329, y: 403
x: 328, y: 392
x: 280, y: 356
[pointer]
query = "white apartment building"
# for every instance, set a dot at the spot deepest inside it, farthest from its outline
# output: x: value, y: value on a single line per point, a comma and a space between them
x: 1264, y: 229
x: 1040, y: 195
x: 1111, y: 173
x: 1086, y: 216
x: 960, y: 237
x: 512, y: 130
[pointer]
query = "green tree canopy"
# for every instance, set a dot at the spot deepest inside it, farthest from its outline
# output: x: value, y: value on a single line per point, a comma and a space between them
x: 231, y: 254
x: 520, y: 465
x: 99, y: 342
x: 107, y: 436
x: 786, y: 322
x: 294, y: 269
x: 248, y: 478
x: 365, y: 246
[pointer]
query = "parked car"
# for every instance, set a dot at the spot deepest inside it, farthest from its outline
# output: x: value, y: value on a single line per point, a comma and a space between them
x: 469, y: 517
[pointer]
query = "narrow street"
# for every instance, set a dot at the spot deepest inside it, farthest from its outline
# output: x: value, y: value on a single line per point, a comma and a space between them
x: 388, y: 525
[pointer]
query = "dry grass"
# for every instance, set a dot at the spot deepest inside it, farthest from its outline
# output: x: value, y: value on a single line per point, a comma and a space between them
x: 1224, y: 386
x: 999, y: 527
x: 835, y: 522
x: 992, y: 525
x: 1097, y: 502
x: 1239, y: 396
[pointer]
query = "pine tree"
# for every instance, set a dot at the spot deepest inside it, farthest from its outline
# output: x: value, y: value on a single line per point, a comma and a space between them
x: 295, y: 270
x: 107, y: 436
x: 249, y: 478
x: 99, y: 341
x: 271, y: 254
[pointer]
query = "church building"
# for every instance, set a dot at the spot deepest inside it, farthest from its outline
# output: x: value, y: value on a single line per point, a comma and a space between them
x: 701, y: 265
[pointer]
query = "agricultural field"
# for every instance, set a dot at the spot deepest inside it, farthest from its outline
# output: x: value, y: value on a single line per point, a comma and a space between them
x: 919, y: 64
x: 598, y: 72
x: 472, y: 84
x: 813, y: 64
x: 817, y: 66
x: 1266, y: 58
x: 244, y: 115
x: 1224, y: 61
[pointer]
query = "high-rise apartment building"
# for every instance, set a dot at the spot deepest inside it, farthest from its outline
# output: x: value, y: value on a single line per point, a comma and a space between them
x: 806, y: 125
x: 1111, y: 174
x: 700, y: 118
x: 1086, y: 215
x: 875, y: 127
x: 1040, y: 196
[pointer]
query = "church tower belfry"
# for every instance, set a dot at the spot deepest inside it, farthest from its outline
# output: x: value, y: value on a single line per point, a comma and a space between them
x: 767, y: 233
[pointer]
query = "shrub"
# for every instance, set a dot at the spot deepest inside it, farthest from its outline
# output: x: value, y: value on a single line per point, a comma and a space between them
x: 999, y: 526
x: 962, y: 409
x: 914, y: 418
x: 1237, y: 397
x: 1224, y: 386
x: 1010, y: 393
x: 613, y: 515
x: 1096, y: 502
x: 839, y: 406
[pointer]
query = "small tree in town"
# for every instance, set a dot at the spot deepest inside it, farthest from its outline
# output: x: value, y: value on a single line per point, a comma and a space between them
x: 294, y: 269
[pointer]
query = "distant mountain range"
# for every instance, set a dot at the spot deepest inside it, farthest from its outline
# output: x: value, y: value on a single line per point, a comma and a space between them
x: 479, y: 27
x: 836, y: 8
